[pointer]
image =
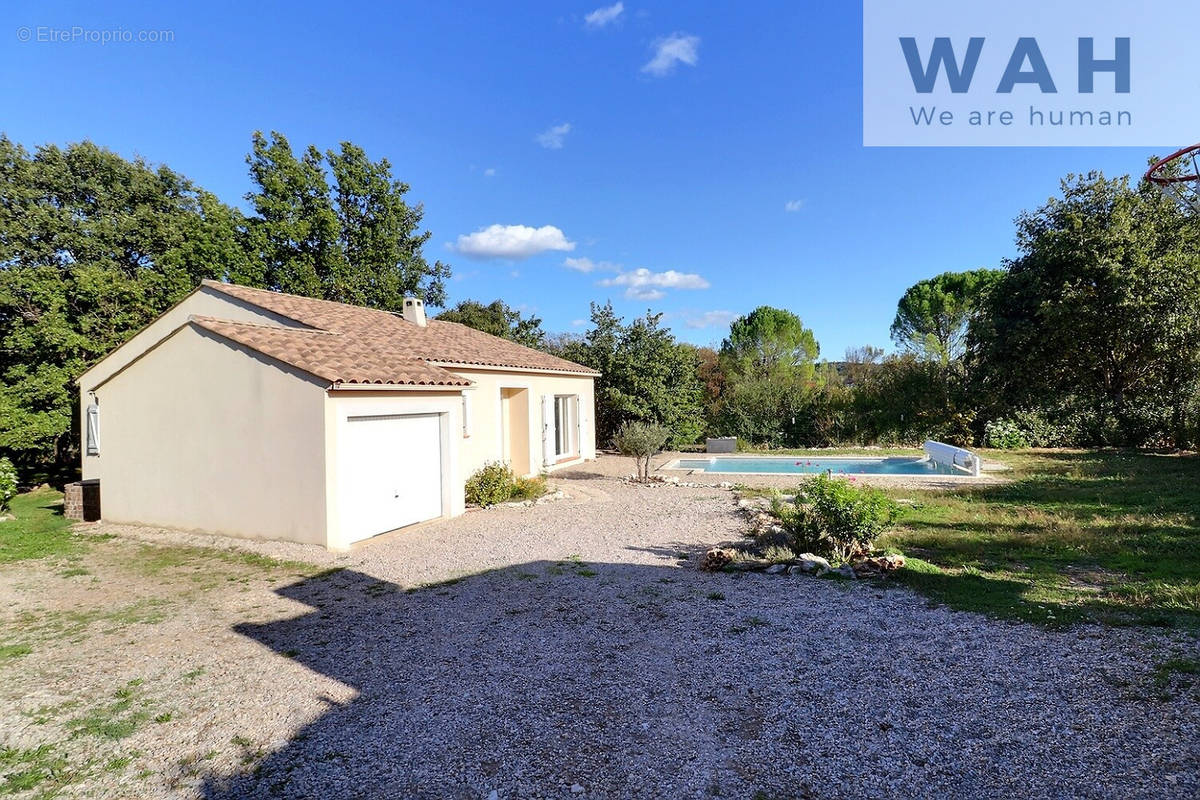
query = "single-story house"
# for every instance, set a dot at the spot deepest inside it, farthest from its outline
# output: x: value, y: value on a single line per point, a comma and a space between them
x: 252, y: 413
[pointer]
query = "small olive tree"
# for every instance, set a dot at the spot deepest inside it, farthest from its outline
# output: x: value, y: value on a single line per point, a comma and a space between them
x: 643, y: 441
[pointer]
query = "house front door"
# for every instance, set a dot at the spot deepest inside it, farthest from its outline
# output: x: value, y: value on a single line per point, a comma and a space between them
x: 514, y: 411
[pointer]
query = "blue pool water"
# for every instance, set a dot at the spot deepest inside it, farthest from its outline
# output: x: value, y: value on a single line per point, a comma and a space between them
x: 801, y: 465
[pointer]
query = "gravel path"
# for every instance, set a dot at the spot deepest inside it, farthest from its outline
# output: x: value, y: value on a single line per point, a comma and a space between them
x: 567, y: 650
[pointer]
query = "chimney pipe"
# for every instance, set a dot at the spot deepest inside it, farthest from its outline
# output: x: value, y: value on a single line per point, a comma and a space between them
x: 414, y: 311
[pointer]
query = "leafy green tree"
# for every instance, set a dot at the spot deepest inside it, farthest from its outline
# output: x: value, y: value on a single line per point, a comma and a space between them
x: 769, y: 342
x: 933, y: 315
x: 381, y: 234
x: 712, y: 377
x: 356, y: 242
x: 1099, y: 315
x: 904, y: 400
x: 92, y: 248
x: 760, y: 410
x: 295, y: 232
x: 768, y: 362
x: 498, y: 319
x: 645, y: 375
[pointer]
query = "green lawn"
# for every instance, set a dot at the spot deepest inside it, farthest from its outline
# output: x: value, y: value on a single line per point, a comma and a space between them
x: 1110, y: 536
x: 39, y: 530
x: 85, y: 734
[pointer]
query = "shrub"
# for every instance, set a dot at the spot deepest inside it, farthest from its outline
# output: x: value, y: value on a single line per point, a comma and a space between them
x: 8, y: 483
x: 495, y: 483
x: 643, y: 441
x: 1027, y: 429
x: 834, y: 518
x: 1004, y: 434
x: 528, y: 488
x: 1039, y: 431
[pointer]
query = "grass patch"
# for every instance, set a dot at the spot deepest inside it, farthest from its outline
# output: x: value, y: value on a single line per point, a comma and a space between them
x: 72, y: 625
x: 35, y: 768
x: 39, y: 531
x: 115, y: 720
x: 153, y: 559
x: 1166, y: 671
x: 49, y: 713
x: 1077, y: 536
x: 9, y: 652
x: 118, y: 764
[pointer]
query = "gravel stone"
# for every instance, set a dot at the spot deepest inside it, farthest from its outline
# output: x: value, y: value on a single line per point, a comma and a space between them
x: 533, y: 652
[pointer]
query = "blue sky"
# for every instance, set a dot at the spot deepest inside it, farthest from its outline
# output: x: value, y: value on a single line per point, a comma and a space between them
x: 702, y: 158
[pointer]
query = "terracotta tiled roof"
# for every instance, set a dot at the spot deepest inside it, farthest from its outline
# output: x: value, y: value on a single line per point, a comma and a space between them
x: 334, y: 357
x: 373, y: 346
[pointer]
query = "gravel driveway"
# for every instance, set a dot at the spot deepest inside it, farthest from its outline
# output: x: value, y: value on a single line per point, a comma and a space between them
x: 570, y: 650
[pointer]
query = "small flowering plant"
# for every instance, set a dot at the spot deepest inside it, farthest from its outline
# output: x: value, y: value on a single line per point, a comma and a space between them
x: 8, y: 483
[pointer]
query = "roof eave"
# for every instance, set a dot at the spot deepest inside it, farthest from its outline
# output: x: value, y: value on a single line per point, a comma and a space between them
x: 398, y: 387
x: 582, y: 372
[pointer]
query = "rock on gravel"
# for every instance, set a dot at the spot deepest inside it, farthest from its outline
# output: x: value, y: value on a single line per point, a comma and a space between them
x: 562, y: 646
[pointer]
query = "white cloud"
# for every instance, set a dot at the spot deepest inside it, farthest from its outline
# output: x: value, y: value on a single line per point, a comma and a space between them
x: 710, y: 319
x: 678, y: 48
x: 490, y: 172
x: 587, y: 265
x: 642, y: 284
x: 578, y: 323
x: 512, y: 241
x: 792, y: 206
x: 552, y: 138
x: 603, y: 16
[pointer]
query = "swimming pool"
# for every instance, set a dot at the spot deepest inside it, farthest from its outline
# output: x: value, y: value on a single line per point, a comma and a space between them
x: 789, y: 465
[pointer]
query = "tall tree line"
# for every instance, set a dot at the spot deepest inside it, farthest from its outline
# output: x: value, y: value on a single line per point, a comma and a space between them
x: 94, y: 246
x: 1089, y: 335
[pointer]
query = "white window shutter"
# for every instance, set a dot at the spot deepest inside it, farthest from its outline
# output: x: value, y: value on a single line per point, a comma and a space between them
x: 466, y: 414
x: 578, y: 426
x: 548, y: 429
x: 93, y: 430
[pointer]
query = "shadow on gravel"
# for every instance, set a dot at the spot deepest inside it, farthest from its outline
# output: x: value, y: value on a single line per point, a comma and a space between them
x: 535, y: 677
x: 644, y: 681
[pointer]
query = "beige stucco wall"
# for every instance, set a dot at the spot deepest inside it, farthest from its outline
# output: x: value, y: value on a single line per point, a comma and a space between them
x: 203, y: 302
x: 204, y: 434
x: 486, y: 442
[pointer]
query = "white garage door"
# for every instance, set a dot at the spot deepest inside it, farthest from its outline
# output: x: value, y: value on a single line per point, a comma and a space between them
x: 390, y: 473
